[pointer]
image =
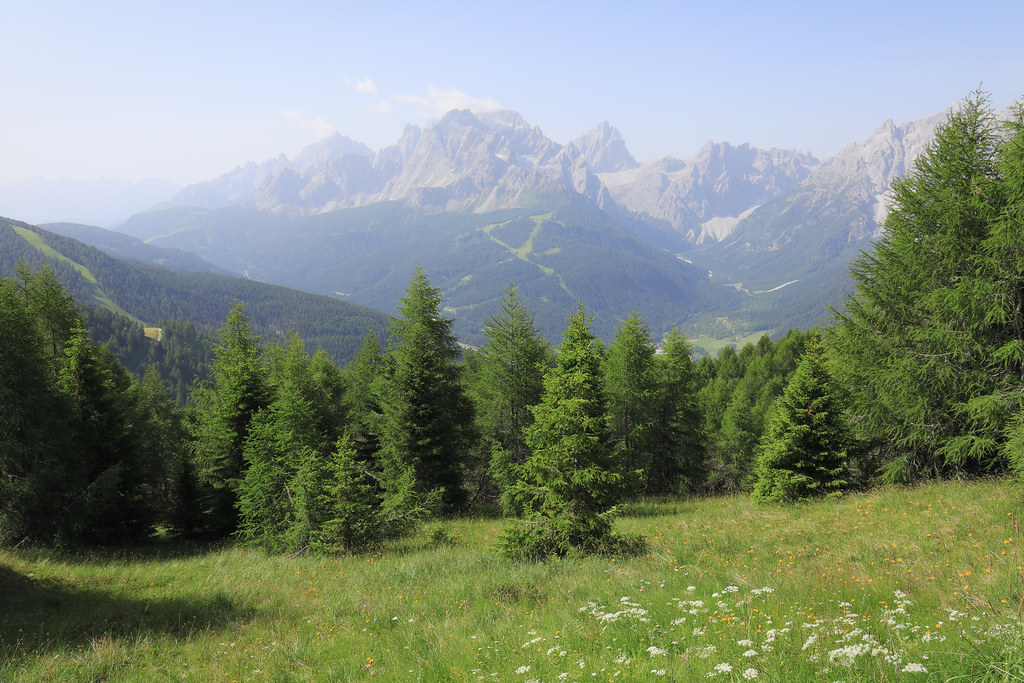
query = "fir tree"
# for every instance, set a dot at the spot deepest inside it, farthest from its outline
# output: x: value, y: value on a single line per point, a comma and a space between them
x: 508, y: 381
x: 806, y: 445
x: 573, y: 481
x: 221, y: 418
x: 679, y: 462
x: 427, y: 419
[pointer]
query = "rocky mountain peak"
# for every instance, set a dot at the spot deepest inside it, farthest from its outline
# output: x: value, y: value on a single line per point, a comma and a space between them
x: 605, y: 150
x: 313, y: 158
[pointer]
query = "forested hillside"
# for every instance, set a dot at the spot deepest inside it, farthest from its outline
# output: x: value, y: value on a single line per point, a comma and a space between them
x: 557, y: 253
x: 152, y: 294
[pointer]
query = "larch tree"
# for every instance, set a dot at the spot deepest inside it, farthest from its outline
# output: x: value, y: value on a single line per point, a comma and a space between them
x: 679, y: 462
x: 919, y: 334
x: 633, y: 393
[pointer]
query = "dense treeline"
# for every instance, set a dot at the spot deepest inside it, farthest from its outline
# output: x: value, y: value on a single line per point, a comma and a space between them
x: 85, y: 450
x: 921, y: 374
x: 178, y: 351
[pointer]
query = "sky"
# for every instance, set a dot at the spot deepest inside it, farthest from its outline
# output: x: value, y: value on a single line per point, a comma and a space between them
x: 186, y: 91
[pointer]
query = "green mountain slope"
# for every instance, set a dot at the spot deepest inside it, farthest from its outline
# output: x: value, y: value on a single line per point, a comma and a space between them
x: 152, y: 293
x: 123, y: 246
x: 557, y: 253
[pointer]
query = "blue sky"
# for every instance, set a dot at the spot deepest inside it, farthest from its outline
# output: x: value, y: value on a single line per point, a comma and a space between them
x: 188, y: 90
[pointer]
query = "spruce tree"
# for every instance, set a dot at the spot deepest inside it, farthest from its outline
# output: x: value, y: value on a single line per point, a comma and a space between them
x: 632, y: 392
x: 426, y: 418
x: 678, y: 464
x: 508, y: 381
x: 806, y: 446
x: 221, y: 416
x: 572, y: 482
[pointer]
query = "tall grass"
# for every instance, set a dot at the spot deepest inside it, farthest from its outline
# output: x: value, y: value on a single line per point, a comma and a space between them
x: 918, y: 584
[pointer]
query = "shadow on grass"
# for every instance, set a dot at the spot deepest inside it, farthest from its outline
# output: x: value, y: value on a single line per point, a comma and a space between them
x: 39, y: 616
x: 155, y: 550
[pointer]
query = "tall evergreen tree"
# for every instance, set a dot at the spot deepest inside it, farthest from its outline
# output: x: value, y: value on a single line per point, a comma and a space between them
x: 80, y: 441
x: 362, y: 379
x: 427, y: 418
x: 34, y: 424
x: 116, y: 500
x: 222, y: 414
x: 281, y: 439
x: 1000, y: 288
x: 805, y: 448
x: 573, y: 481
x: 917, y: 334
x: 508, y: 381
x: 679, y: 463
x: 634, y: 396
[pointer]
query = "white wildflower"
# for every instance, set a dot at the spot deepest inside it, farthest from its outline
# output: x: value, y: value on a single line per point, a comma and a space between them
x: 523, y: 669
x: 914, y: 668
x: 750, y: 674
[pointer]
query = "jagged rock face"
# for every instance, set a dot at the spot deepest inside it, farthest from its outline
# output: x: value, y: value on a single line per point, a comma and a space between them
x: 479, y: 162
x: 852, y: 184
x: 495, y: 160
x: 704, y: 197
x: 234, y: 187
x: 605, y: 150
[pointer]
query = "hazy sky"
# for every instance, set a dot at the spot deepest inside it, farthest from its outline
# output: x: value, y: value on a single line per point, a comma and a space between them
x: 187, y: 90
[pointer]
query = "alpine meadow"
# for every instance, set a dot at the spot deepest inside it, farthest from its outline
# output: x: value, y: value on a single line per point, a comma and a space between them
x: 585, y: 446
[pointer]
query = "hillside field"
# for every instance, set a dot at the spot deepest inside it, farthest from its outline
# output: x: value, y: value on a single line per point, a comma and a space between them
x: 913, y: 584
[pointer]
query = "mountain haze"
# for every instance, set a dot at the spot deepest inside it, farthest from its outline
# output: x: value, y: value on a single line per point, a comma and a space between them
x: 481, y: 199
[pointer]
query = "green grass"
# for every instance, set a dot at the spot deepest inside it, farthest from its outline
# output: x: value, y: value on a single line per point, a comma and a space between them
x: 713, y: 346
x: 95, y: 289
x: 860, y: 588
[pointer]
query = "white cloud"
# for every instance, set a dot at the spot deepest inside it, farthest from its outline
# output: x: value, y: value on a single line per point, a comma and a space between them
x: 318, y: 127
x: 439, y: 102
x: 366, y: 85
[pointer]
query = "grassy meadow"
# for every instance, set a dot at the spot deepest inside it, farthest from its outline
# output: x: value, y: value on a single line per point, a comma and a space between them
x: 920, y: 584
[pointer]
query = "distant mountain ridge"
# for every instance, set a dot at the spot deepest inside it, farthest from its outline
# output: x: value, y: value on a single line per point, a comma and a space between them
x: 779, y: 227
x: 490, y: 161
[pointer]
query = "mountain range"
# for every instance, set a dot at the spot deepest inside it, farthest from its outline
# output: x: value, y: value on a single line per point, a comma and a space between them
x: 733, y: 241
